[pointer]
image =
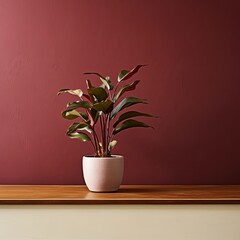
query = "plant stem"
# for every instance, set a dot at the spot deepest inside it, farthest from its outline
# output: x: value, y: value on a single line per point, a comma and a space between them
x: 108, y: 137
x: 94, y: 146
x: 102, y: 134
x: 95, y: 142
x: 99, y: 150
x: 105, y: 135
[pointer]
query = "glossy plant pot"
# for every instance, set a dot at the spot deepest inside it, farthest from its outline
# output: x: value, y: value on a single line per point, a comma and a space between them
x: 103, y: 174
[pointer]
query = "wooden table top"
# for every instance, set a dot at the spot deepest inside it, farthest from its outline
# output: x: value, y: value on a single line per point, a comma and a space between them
x: 127, y: 194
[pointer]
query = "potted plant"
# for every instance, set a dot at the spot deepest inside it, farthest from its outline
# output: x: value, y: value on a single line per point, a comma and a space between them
x: 99, y: 107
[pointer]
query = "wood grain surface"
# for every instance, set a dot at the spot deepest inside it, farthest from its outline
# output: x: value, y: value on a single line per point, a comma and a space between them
x: 127, y: 194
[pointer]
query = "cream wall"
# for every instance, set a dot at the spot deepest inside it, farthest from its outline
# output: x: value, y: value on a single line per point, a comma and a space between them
x: 130, y: 222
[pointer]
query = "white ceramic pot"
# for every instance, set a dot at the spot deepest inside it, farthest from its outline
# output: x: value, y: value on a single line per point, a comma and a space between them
x: 103, y: 174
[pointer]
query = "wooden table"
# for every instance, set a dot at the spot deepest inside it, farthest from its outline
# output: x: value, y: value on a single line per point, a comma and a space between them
x: 128, y: 194
x: 135, y: 212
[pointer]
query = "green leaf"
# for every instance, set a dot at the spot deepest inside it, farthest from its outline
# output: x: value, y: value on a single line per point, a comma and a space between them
x: 102, y: 86
x: 130, y: 124
x: 99, y: 93
x: 111, y: 145
x: 84, y: 116
x: 105, y: 107
x: 126, y: 102
x: 77, y: 92
x: 93, y: 116
x: 126, y: 88
x: 125, y: 74
x: 78, y: 104
x: 73, y: 114
x: 70, y: 114
x: 122, y: 74
x: 89, y: 84
x: 81, y: 136
x: 131, y: 114
x: 105, y: 80
x: 94, y: 73
x: 79, y: 126
x: 107, y: 83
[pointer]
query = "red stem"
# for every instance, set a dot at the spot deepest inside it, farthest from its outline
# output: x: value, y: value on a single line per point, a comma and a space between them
x: 96, y: 142
x: 108, y: 128
x: 102, y: 134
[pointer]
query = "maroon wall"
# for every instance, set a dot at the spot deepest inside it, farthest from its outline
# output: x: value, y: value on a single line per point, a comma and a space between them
x: 192, y: 82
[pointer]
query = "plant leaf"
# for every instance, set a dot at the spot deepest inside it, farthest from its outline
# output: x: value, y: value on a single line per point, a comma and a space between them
x: 105, y: 80
x: 126, y: 102
x: 78, y: 104
x: 131, y: 114
x: 122, y: 74
x: 111, y: 145
x: 93, y: 116
x: 94, y: 73
x: 84, y: 116
x: 79, y: 126
x: 110, y: 84
x: 130, y: 124
x: 81, y: 136
x: 125, y: 74
x: 88, y: 83
x: 105, y: 107
x: 107, y: 83
x: 128, y: 87
x: 87, y: 97
x: 71, y: 114
x: 99, y: 93
x: 77, y: 92
x: 102, y: 86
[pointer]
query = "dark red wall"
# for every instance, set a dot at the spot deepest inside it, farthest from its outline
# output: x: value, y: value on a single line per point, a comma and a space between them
x: 192, y: 82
